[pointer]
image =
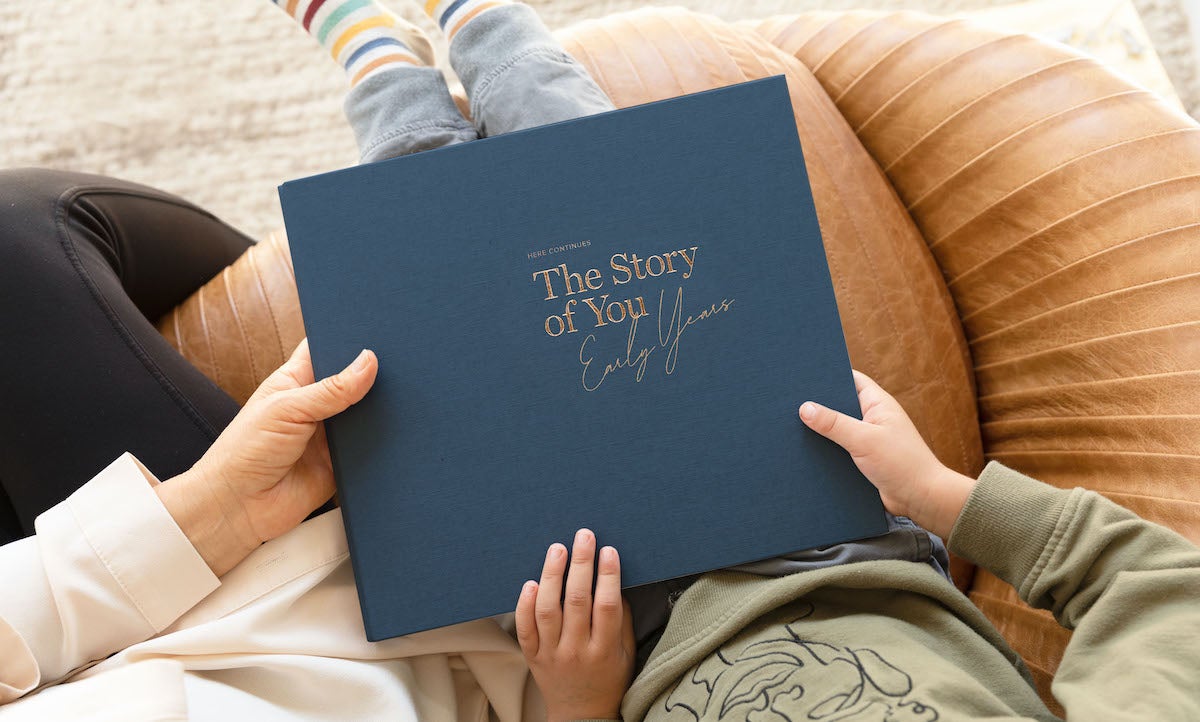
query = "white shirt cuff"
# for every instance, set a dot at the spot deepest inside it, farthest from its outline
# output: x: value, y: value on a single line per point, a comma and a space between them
x: 137, y: 540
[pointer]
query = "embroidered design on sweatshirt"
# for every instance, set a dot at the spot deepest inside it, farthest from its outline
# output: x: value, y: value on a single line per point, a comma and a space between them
x: 791, y: 678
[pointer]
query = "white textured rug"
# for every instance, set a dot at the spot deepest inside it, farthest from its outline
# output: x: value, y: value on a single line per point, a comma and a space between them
x: 221, y: 101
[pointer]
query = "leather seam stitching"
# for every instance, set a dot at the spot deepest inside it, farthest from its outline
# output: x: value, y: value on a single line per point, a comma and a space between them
x: 1084, y: 301
x: 262, y: 289
x: 1030, y: 184
x: 1074, y: 345
x: 902, y: 45
x: 932, y: 73
x: 237, y: 316
x: 1060, y: 116
x: 1078, y: 263
x: 975, y: 100
x: 212, y: 354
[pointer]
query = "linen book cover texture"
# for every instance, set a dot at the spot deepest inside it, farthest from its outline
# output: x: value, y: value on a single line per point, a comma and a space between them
x: 606, y: 322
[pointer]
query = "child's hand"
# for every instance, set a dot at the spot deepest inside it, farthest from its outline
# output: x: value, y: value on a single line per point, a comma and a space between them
x: 581, y: 651
x: 890, y: 452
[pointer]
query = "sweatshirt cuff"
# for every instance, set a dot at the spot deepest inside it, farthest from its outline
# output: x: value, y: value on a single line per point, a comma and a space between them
x: 137, y: 540
x: 1007, y: 522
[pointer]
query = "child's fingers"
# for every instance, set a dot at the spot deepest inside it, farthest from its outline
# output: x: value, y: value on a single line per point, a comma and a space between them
x: 861, y: 380
x: 577, y: 605
x: 548, y: 609
x: 607, y: 610
x: 847, y: 432
x: 527, y: 633
x: 870, y: 394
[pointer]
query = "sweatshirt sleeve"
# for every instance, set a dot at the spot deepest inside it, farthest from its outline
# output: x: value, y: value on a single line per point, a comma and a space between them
x: 1127, y: 587
x: 107, y: 568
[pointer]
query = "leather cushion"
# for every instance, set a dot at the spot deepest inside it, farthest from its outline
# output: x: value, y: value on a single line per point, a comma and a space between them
x: 1060, y: 203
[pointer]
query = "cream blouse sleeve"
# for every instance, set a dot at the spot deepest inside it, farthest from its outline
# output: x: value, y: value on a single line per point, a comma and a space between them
x: 107, y: 568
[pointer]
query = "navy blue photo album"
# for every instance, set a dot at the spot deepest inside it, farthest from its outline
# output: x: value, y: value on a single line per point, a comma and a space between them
x: 607, y: 322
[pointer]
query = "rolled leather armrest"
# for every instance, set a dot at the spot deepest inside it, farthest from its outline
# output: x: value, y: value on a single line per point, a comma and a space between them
x: 244, y: 323
x: 1060, y: 203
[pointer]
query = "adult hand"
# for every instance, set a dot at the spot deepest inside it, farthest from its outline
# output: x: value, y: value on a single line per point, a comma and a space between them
x: 270, y: 468
x: 889, y: 451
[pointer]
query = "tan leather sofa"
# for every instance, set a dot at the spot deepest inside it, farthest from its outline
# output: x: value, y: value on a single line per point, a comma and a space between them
x: 1013, y: 233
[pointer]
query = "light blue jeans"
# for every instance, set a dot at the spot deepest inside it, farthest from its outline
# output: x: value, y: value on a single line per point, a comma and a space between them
x: 517, y: 76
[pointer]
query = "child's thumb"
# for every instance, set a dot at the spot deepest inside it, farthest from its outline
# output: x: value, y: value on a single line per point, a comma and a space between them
x: 845, y: 431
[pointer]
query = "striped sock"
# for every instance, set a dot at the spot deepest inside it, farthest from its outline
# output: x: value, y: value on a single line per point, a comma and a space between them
x: 360, y: 35
x: 452, y: 15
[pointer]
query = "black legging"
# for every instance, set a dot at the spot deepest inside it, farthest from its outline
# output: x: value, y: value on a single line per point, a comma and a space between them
x: 86, y: 264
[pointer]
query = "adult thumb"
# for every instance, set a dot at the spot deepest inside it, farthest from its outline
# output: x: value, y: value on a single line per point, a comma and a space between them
x: 334, y: 394
x: 845, y: 431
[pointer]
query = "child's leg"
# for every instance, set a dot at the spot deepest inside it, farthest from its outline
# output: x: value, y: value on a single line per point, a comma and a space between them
x: 515, y: 73
x: 397, y: 103
x: 403, y: 111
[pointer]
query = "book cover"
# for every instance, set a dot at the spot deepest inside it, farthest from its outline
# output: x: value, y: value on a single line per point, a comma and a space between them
x: 606, y: 322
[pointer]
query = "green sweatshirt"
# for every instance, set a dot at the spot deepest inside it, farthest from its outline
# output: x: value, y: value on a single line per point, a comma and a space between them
x: 894, y: 641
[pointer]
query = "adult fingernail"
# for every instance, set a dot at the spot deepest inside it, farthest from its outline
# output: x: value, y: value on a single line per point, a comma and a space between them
x: 582, y: 535
x: 808, y: 410
x: 608, y: 555
x: 360, y: 363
